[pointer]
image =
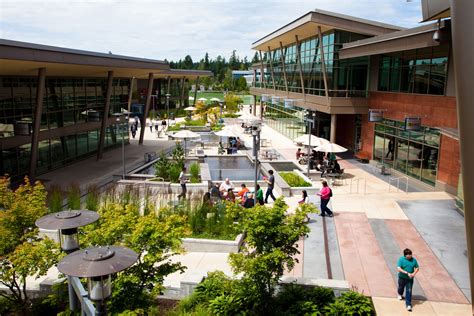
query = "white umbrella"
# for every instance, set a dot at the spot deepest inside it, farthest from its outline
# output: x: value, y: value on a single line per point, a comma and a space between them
x: 202, y: 99
x: 315, y: 141
x: 215, y: 99
x: 184, y: 134
x: 191, y: 99
x: 225, y: 133
x: 331, y: 148
x: 190, y: 108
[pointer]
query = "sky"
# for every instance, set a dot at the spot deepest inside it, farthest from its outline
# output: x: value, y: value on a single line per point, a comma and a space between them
x: 165, y: 29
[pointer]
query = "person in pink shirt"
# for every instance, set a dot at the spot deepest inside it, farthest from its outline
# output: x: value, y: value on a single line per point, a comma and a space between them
x: 325, y: 193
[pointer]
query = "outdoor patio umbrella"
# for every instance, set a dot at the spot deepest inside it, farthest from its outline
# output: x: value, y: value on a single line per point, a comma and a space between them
x: 190, y: 108
x: 185, y: 134
x: 191, y: 98
x: 202, y: 99
x: 225, y: 133
x: 331, y: 148
x: 315, y: 141
x: 215, y: 99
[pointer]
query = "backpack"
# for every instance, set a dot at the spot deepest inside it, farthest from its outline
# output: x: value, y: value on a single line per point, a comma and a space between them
x: 330, y: 193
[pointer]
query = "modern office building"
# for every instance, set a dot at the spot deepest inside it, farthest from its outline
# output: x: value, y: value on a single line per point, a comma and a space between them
x: 334, y: 69
x: 57, y: 104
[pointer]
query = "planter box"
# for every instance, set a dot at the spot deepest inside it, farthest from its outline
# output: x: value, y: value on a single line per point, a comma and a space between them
x: 213, y: 245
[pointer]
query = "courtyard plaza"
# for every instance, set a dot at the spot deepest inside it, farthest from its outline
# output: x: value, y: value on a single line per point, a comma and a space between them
x: 373, y: 223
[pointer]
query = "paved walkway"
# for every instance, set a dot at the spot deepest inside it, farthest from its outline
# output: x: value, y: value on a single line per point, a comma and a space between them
x: 373, y: 224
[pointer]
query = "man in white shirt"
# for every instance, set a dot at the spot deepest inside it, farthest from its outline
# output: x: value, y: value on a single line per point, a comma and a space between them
x: 225, y: 186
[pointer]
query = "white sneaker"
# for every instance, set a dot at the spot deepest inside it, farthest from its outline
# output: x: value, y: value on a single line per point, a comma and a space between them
x: 409, y: 308
x: 400, y: 297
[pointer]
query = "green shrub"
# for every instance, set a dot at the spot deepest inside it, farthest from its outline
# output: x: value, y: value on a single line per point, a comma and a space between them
x: 351, y: 303
x: 294, y: 299
x: 189, y: 122
x: 231, y: 115
x: 195, y: 170
x: 294, y: 180
x: 173, y: 173
x: 74, y: 197
x: 55, y: 199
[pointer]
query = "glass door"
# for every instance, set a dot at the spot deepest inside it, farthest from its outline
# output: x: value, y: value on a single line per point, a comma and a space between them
x: 401, y: 155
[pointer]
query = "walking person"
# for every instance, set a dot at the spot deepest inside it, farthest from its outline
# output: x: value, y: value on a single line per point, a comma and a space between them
x: 151, y: 125
x: 407, y: 268
x: 182, y: 181
x: 391, y: 147
x: 259, y: 195
x: 271, y: 184
x: 325, y: 193
x: 133, y: 129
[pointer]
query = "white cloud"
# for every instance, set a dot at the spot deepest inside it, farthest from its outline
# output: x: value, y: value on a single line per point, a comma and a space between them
x: 172, y: 29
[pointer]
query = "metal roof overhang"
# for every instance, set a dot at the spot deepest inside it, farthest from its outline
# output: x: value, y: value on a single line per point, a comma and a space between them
x: 306, y: 26
x: 24, y: 59
x: 418, y: 37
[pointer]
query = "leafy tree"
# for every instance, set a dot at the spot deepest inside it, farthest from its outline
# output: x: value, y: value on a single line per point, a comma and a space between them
x: 241, y: 84
x: 255, y: 58
x: 22, y: 254
x: 270, y: 247
x: 155, y: 240
x: 232, y: 102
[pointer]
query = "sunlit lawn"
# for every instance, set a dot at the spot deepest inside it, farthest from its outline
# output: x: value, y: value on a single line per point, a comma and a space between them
x: 220, y: 95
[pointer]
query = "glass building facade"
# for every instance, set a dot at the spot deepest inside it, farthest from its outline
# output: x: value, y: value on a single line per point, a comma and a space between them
x: 290, y: 121
x: 67, y: 101
x: 414, y: 153
x: 346, y: 78
x: 422, y: 71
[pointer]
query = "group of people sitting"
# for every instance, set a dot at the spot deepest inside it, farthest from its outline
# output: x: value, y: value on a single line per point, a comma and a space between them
x: 227, y: 191
x: 325, y: 163
x: 234, y: 143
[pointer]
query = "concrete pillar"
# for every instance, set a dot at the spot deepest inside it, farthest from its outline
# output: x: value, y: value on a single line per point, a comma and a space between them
x: 196, y: 90
x: 462, y: 42
x: 332, y: 138
x: 147, y: 107
x: 105, y: 115
x: 37, y: 121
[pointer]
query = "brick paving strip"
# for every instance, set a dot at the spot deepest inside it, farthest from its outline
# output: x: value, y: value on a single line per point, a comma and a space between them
x: 435, y: 281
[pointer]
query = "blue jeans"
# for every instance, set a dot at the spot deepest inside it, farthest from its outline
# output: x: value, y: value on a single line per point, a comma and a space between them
x: 324, y: 207
x: 407, y: 285
x: 269, y: 193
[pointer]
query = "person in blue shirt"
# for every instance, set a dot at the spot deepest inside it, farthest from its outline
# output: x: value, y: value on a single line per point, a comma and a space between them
x: 407, y: 268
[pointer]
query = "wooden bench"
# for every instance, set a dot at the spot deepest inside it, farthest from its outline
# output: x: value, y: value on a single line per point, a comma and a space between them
x: 363, y: 156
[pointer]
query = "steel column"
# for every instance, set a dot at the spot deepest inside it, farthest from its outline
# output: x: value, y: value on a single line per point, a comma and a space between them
x: 323, y: 65
x: 37, y: 122
x: 283, y: 66
x: 196, y: 90
x: 262, y: 73
x: 105, y: 114
x: 462, y: 42
x: 130, y: 94
x: 271, y: 67
x: 147, y: 107
x: 182, y: 92
x: 298, y: 57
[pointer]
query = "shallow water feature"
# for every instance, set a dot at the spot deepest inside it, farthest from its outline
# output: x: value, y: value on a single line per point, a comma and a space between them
x: 232, y: 167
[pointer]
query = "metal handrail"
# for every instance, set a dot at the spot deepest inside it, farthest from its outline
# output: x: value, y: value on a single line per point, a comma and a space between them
x: 398, y: 183
x: 358, y: 181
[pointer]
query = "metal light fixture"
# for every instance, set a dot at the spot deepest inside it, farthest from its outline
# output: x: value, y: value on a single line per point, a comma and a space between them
x: 67, y: 223
x: 97, y: 264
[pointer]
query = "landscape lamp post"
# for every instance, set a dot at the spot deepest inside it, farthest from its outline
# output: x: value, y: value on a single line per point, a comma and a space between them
x: 95, y: 263
x: 256, y: 147
x: 67, y: 223
x: 168, y: 108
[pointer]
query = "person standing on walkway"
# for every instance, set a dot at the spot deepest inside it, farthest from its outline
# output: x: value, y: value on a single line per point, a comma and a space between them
x: 259, y: 195
x: 407, y: 268
x: 182, y: 181
x: 325, y: 193
x: 271, y: 184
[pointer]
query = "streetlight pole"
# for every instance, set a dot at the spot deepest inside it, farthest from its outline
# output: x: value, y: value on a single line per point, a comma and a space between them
x: 118, y: 117
x: 310, y: 127
x: 168, y: 107
x: 256, y: 145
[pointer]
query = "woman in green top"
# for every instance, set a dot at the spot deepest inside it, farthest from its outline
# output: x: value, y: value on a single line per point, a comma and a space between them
x: 259, y: 195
